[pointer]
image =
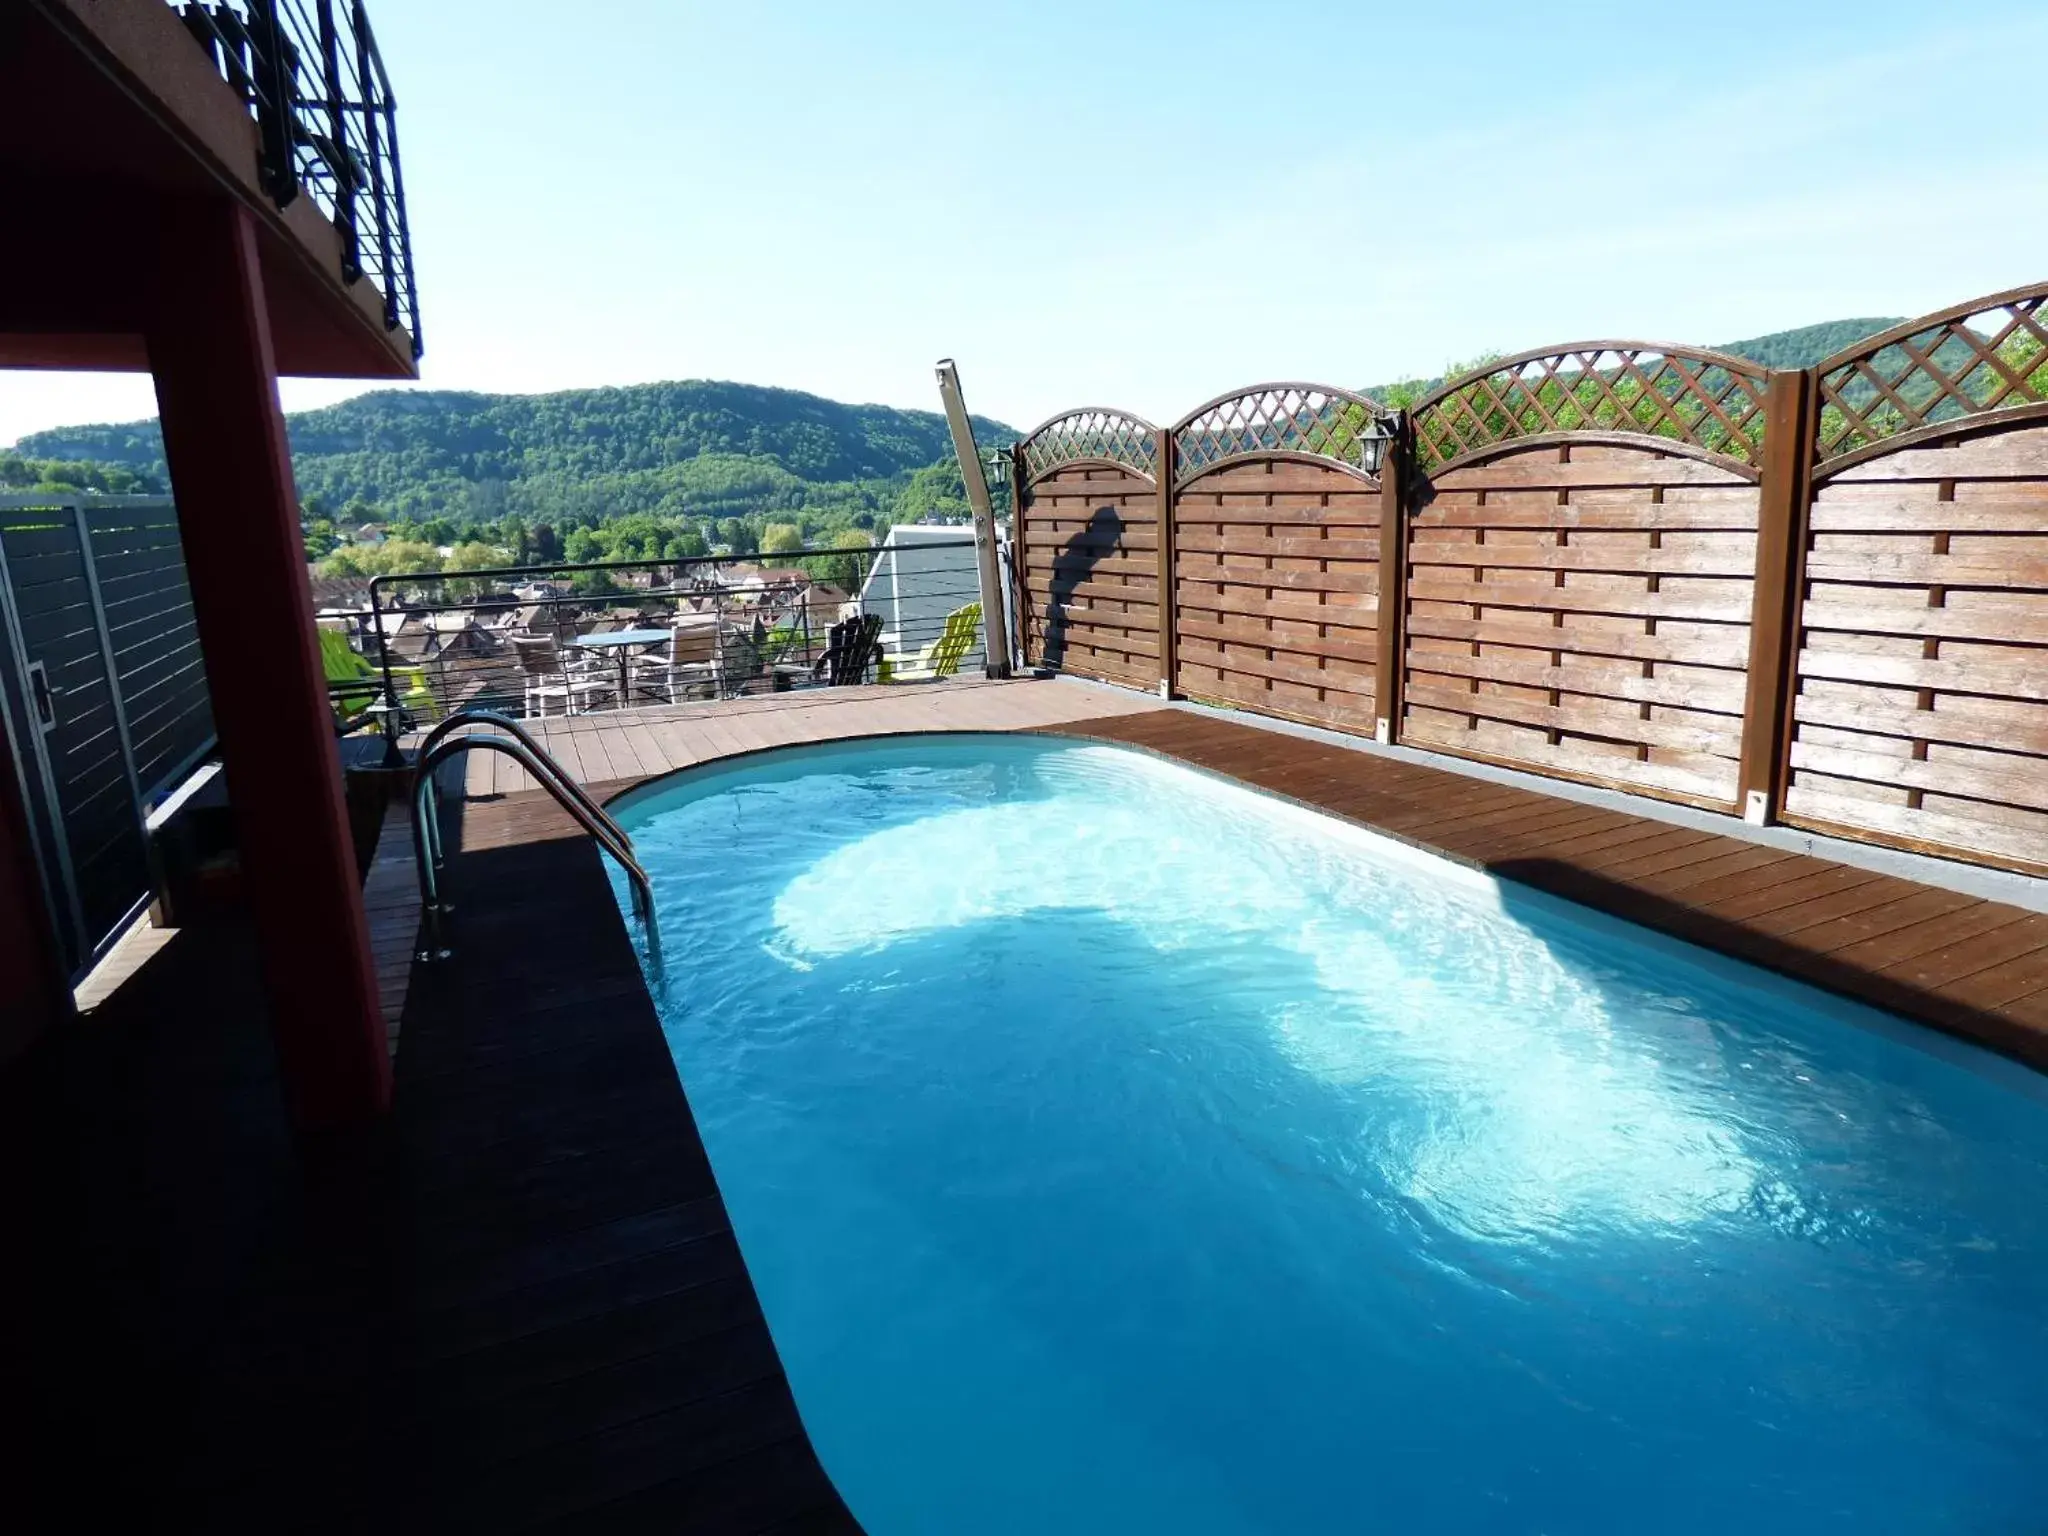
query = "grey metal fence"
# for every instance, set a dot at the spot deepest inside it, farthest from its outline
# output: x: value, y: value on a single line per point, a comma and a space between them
x: 103, y: 692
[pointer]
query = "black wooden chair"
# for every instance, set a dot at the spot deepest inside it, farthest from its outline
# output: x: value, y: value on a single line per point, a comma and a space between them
x: 852, y: 648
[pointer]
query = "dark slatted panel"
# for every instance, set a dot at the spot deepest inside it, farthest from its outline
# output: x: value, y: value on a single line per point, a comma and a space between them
x: 53, y: 604
x: 162, y: 678
x: 1584, y: 610
x: 1277, y: 590
x: 1091, y: 574
x: 1976, y: 968
x: 1921, y: 715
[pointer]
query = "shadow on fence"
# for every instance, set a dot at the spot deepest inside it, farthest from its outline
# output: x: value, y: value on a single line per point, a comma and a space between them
x: 1072, y: 567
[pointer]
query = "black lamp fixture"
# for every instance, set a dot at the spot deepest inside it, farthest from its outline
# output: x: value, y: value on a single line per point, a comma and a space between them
x: 1372, y: 445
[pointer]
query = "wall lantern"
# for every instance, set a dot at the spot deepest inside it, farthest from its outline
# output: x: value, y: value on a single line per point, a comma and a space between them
x: 1372, y: 445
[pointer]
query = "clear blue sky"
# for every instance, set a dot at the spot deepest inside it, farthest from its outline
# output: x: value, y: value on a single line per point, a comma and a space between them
x: 1144, y: 204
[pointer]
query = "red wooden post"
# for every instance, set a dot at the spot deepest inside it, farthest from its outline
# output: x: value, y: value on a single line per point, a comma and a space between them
x: 1162, y: 467
x: 1783, y: 495
x: 238, y: 514
x: 1396, y: 467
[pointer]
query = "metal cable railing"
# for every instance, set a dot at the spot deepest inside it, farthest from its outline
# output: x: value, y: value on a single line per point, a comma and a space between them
x: 586, y: 640
x: 327, y: 125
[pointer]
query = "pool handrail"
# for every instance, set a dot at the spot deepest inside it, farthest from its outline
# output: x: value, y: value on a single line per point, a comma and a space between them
x: 529, y: 754
x: 510, y: 727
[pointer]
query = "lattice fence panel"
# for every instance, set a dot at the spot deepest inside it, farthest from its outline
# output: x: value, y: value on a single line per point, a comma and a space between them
x: 1277, y: 418
x: 1991, y: 355
x: 1091, y: 434
x: 1920, y: 714
x: 1091, y: 574
x: 1277, y: 590
x: 1711, y: 402
x: 1584, y: 610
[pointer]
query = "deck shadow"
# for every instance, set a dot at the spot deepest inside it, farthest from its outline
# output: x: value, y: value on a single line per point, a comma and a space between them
x: 576, y: 1340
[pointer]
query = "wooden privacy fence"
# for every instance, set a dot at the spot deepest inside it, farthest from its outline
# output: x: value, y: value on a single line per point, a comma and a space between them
x: 1818, y: 596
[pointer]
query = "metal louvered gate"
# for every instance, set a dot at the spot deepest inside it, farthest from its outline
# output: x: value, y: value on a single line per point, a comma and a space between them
x: 103, y: 693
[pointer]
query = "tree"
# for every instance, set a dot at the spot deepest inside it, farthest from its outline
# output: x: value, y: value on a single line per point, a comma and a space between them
x: 846, y: 569
x: 320, y: 538
x: 473, y: 556
x: 581, y: 547
x: 781, y: 539
x: 736, y: 536
x: 934, y: 491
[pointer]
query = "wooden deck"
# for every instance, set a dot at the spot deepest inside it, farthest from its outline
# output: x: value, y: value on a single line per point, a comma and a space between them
x: 620, y: 747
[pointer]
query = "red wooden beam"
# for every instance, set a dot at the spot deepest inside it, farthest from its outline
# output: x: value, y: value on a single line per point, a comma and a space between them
x: 224, y: 442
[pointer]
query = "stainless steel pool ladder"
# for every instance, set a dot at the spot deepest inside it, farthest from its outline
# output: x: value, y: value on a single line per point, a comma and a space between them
x: 508, y: 736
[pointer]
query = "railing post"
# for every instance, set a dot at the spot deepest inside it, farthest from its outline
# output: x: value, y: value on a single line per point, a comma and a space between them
x: 1163, y: 467
x: 373, y: 143
x: 1397, y: 486
x: 1783, y: 496
x: 274, y: 79
x: 394, y: 757
x: 340, y: 163
x: 391, y: 280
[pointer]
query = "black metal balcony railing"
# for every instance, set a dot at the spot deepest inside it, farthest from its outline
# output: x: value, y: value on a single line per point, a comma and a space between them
x: 533, y: 640
x: 311, y: 75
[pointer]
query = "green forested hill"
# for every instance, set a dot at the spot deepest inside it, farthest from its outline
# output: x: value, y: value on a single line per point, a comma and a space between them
x: 1807, y: 345
x: 1799, y: 348
x: 696, y: 449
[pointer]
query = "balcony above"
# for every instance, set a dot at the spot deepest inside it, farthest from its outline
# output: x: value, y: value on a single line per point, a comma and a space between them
x: 115, y: 112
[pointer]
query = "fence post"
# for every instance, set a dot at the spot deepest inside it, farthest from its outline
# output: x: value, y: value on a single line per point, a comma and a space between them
x: 1783, y: 497
x: 1390, y: 619
x: 1019, y: 575
x: 1162, y: 467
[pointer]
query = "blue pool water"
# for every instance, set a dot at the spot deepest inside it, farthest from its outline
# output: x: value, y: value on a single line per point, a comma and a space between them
x: 1118, y: 1150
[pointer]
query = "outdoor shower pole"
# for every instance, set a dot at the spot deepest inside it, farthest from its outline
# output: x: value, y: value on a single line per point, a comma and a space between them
x: 994, y: 621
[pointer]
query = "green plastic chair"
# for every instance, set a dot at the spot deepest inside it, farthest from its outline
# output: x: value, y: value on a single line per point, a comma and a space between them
x: 341, y: 664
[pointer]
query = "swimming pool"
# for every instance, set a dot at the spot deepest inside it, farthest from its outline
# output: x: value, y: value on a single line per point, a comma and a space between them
x: 1116, y: 1149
